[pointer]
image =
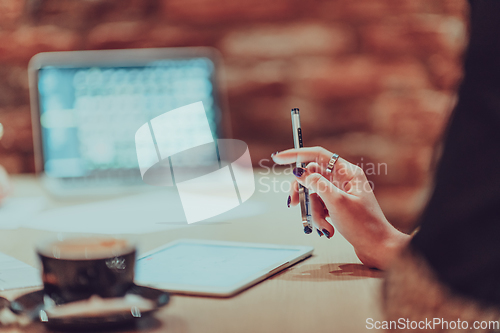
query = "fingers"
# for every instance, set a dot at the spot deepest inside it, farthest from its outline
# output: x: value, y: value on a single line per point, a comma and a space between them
x: 319, y: 214
x: 327, y: 190
x: 314, y: 167
x: 343, y: 170
x: 303, y: 155
x: 318, y: 210
x: 293, y: 198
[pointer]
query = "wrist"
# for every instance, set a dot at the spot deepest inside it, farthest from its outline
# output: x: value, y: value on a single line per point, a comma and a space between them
x: 392, y: 247
x: 384, y: 248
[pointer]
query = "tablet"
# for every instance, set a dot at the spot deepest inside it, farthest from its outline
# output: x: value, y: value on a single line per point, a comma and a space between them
x: 214, y: 268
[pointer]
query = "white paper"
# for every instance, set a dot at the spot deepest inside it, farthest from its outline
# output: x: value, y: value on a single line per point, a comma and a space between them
x: 196, y: 198
x: 16, y: 274
x: 138, y: 214
x: 14, y: 211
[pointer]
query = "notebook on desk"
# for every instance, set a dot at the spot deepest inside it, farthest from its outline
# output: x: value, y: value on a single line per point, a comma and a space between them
x: 87, y: 105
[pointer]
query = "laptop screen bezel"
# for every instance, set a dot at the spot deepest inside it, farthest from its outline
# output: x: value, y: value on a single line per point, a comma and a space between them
x: 122, y: 58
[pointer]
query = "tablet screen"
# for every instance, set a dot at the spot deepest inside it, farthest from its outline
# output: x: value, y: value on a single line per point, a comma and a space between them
x: 208, y: 265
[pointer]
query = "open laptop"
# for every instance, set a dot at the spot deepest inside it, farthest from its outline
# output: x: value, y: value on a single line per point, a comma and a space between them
x: 87, y: 105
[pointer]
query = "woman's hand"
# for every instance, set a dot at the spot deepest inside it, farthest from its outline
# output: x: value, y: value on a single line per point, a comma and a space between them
x: 346, y: 197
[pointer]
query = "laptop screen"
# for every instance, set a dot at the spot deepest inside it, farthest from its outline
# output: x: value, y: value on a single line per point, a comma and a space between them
x: 89, y: 115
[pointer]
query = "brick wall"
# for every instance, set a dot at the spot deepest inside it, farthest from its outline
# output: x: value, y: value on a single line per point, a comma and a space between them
x: 375, y: 79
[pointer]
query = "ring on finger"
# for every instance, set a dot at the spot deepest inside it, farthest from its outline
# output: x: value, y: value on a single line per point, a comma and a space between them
x: 331, y: 163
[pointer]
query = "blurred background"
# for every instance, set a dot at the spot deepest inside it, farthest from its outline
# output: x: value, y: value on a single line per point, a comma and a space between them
x: 375, y: 79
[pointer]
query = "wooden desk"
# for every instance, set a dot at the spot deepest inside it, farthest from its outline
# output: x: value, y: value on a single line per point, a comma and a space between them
x: 329, y: 292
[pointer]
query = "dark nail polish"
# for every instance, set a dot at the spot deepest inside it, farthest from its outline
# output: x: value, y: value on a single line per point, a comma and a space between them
x: 298, y: 171
x: 289, y: 201
x: 276, y: 152
x: 319, y: 232
x: 326, y: 233
x: 307, y: 230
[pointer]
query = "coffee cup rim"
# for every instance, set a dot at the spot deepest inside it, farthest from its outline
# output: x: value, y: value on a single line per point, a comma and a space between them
x: 42, y: 248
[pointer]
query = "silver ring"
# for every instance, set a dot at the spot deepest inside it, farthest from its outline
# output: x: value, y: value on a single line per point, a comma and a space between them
x: 331, y: 163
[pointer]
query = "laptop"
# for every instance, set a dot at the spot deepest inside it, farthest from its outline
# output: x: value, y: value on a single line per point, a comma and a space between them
x: 87, y: 106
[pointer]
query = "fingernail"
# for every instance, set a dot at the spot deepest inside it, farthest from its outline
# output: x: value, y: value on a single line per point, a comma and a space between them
x: 319, y: 232
x: 326, y: 233
x: 298, y: 171
x: 326, y: 211
x: 307, y: 230
x: 289, y: 201
x: 276, y: 152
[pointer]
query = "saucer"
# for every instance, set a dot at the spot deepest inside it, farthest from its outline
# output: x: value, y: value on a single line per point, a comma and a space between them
x: 95, y: 312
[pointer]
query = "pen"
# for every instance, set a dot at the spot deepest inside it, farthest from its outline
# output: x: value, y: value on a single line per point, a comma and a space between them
x: 305, y: 207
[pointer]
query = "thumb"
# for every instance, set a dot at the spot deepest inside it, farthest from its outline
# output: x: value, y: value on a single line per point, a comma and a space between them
x: 328, y: 192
